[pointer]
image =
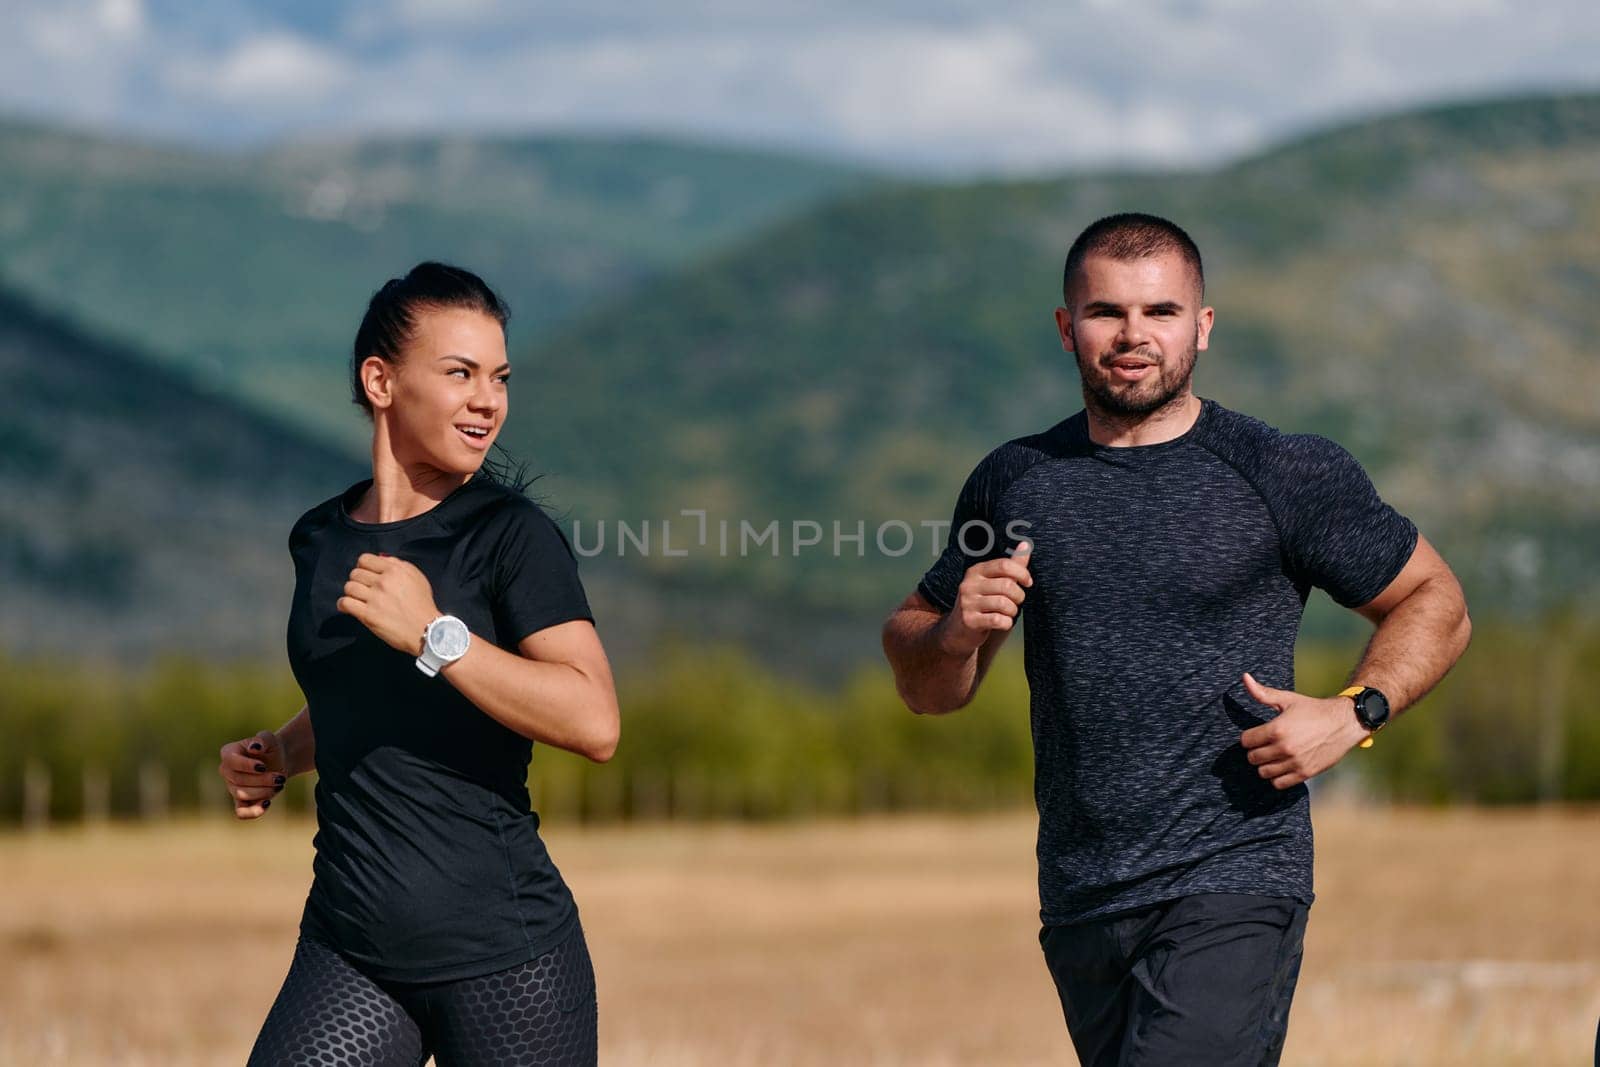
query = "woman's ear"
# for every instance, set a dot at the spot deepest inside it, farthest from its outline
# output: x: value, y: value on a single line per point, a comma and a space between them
x: 377, y: 378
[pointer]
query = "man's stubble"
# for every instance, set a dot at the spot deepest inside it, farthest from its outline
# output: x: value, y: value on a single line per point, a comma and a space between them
x: 1132, y: 403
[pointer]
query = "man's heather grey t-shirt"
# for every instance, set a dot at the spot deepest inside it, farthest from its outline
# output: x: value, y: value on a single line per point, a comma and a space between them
x: 1161, y: 574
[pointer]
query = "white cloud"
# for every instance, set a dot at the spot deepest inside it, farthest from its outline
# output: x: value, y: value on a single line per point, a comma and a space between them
x: 987, y: 96
x: 72, y: 58
x: 961, y: 84
x: 79, y: 32
x: 121, y: 18
x: 430, y: 13
x: 267, y: 71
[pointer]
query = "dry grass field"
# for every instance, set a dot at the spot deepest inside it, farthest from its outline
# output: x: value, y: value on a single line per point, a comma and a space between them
x: 1450, y: 937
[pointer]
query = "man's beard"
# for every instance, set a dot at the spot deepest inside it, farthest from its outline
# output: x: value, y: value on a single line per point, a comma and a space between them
x: 1132, y: 400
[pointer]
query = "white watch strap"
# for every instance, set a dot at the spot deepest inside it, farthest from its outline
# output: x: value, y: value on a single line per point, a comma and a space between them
x: 429, y: 662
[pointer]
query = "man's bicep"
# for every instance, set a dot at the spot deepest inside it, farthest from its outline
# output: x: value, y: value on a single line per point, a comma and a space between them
x: 1341, y: 536
x: 972, y: 536
x: 1424, y: 565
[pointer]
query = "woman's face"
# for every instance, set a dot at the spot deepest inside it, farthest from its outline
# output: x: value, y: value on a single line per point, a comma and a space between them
x: 449, y: 390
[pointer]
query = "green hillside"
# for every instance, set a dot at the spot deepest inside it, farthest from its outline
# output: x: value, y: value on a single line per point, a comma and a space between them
x: 1421, y: 288
x: 139, y: 513
x: 142, y: 515
x: 250, y: 271
x: 1418, y: 287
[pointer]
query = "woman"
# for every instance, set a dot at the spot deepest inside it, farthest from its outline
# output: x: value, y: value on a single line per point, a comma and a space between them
x: 438, y: 628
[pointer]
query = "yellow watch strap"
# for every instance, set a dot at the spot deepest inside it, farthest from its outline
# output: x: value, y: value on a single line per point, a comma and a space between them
x: 1355, y: 690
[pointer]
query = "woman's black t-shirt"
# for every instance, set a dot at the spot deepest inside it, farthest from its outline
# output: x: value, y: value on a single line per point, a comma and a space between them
x: 429, y: 865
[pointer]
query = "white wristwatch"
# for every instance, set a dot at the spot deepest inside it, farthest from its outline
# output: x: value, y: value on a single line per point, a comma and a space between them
x: 444, y: 641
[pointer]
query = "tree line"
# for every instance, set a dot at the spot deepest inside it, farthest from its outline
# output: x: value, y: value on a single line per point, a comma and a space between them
x: 714, y: 734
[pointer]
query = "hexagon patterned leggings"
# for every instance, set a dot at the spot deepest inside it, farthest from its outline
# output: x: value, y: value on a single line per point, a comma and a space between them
x: 328, y: 1014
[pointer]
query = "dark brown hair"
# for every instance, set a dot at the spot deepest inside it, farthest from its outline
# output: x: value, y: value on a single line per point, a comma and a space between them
x: 1131, y: 235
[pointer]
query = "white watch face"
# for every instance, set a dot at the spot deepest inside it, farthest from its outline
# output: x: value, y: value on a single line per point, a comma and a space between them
x: 447, y: 637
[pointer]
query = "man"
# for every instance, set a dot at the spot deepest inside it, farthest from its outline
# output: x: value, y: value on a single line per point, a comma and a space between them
x: 1163, y: 547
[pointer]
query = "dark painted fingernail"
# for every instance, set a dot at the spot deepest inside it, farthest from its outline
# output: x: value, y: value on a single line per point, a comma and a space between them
x: 255, y: 746
x: 278, y: 780
x: 266, y: 804
x: 260, y: 767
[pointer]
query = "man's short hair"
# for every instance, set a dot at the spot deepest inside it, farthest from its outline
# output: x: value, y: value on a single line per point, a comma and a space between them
x: 1130, y: 235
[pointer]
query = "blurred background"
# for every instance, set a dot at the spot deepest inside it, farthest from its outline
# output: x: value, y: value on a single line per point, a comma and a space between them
x: 785, y: 262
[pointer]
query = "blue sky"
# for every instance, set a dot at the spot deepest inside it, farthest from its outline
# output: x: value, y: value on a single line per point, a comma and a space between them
x: 944, y: 85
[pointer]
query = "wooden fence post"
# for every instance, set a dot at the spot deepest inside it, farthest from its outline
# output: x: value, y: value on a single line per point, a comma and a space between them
x: 96, y: 794
x: 648, y: 796
x: 210, y: 791
x: 153, y: 791
x: 688, y: 793
x: 35, y: 795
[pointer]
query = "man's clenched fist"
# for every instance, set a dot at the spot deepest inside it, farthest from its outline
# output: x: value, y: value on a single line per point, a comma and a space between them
x: 989, y: 599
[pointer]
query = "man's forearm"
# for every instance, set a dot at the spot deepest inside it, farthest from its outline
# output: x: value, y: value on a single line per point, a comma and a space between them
x: 1416, y: 643
x: 929, y: 679
x: 299, y: 744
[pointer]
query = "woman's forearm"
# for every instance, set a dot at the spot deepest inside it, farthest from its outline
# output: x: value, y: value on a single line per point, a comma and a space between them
x: 299, y: 744
x: 571, y: 705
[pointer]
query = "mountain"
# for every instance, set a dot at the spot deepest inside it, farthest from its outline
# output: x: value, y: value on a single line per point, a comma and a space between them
x: 249, y: 271
x: 1421, y: 288
x: 139, y: 513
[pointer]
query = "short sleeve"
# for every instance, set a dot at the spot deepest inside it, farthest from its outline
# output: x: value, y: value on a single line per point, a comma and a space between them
x: 974, y: 536
x: 1340, y: 536
x: 536, y: 582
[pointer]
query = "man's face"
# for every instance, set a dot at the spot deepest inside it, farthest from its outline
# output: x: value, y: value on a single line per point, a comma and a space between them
x: 1136, y: 327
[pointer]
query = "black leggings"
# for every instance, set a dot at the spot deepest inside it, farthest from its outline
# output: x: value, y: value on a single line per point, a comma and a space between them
x: 329, y: 1014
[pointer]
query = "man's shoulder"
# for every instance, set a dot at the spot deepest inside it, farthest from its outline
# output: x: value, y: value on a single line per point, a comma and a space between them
x: 1275, y: 461
x: 1237, y: 433
x: 1253, y: 442
x: 1020, y: 453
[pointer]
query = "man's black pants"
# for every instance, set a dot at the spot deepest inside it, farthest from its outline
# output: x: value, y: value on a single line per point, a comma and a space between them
x: 1204, y: 979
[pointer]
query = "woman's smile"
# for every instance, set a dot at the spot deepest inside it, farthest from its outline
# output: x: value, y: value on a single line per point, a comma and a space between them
x: 477, y: 435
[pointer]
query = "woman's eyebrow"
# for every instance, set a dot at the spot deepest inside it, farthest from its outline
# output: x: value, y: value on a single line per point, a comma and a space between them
x: 474, y: 363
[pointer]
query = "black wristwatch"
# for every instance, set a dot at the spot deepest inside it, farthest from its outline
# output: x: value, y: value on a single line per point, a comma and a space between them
x: 1372, y: 709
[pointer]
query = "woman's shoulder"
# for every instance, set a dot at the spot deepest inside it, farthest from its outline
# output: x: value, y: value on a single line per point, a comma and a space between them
x: 493, y: 504
x: 315, y: 518
x: 519, y: 518
x: 523, y: 532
